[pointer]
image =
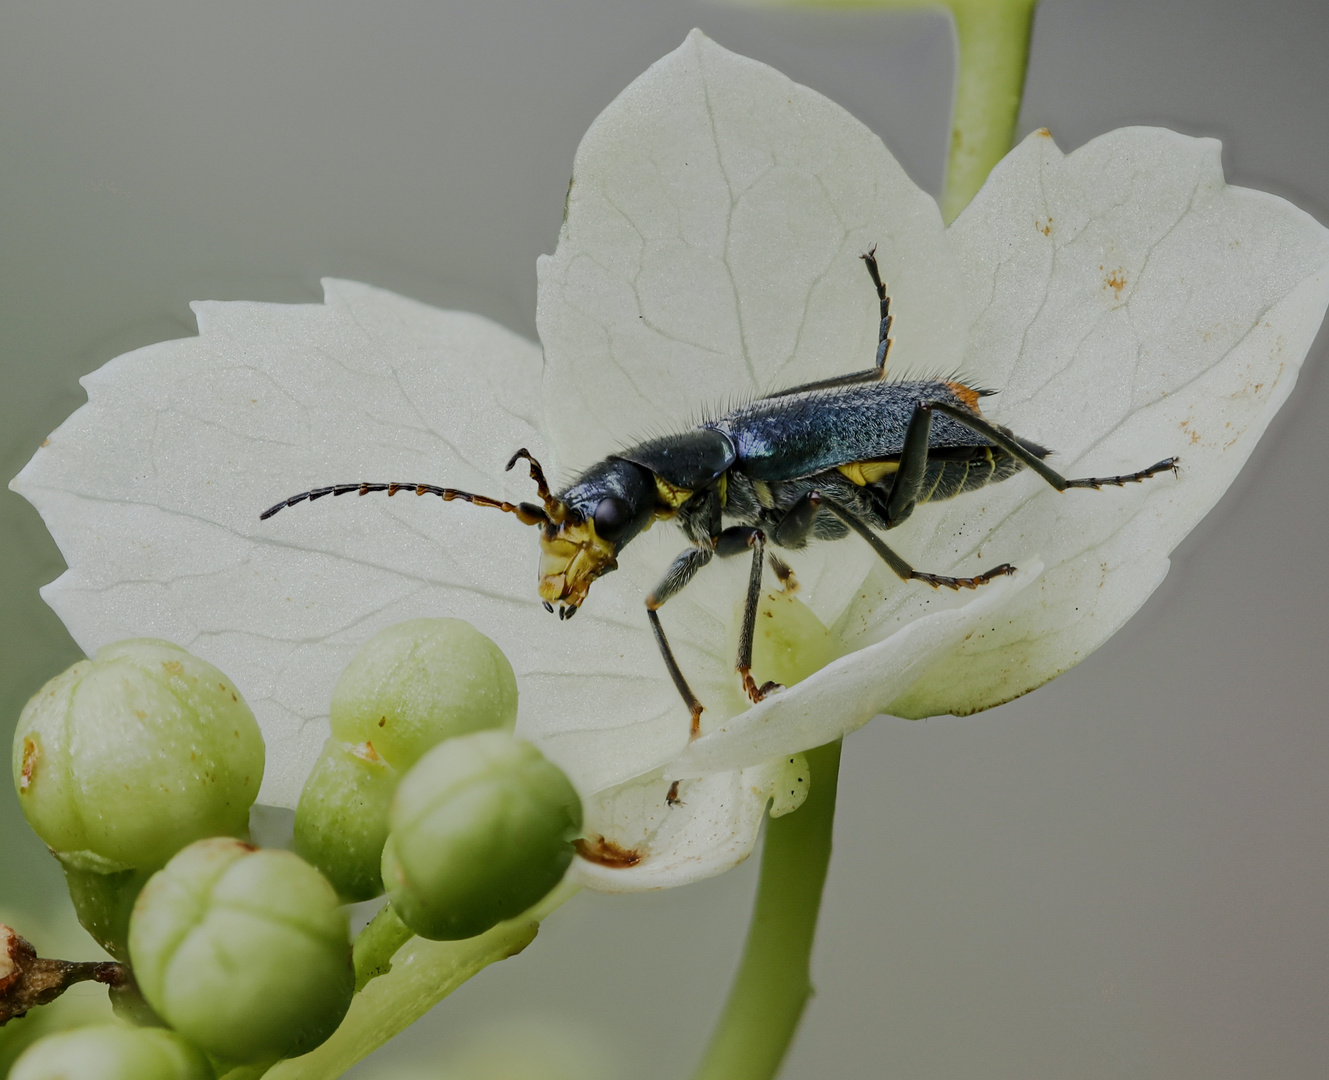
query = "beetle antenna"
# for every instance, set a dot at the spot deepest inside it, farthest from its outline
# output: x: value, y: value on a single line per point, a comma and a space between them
x: 555, y: 510
x: 526, y: 513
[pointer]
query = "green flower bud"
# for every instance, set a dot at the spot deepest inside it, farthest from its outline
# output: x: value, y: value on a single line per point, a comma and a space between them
x: 242, y: 951
x: 420, y: 682
x: 342, y: 820
x: 123, y: 759
x: 410, y: 687
x: 112, y: 1052
x: 482, y: 828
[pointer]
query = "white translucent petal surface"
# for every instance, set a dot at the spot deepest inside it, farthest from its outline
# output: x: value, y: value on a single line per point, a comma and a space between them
x: 153, y: 490
x: 710, y: 826
x: 850, y: 691
x: 1130, y: 306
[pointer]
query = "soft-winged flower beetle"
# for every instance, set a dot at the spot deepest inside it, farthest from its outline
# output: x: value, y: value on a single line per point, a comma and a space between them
x: 855, y: 453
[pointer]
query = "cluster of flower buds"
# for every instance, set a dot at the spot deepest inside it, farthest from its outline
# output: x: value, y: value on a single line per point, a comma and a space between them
x: 123, y: 760
x: 138, y: 769
x: 423, y: 791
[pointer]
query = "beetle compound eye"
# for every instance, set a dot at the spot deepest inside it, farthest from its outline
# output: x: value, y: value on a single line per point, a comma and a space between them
x: 611, y: 517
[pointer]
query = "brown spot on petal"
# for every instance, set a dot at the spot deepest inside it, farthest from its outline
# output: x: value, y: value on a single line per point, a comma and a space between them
x: 604, y: 852
x: 1116, y: 281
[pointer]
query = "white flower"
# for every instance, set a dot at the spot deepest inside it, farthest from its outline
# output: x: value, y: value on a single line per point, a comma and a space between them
x: 1126, y: 303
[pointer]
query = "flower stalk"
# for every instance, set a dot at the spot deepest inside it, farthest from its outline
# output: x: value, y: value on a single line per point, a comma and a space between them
x: 774, y: 982
x: 992, y: 38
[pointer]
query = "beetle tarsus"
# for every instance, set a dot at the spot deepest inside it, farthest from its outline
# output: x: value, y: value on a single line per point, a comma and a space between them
x: 1098, y: 482
x: 757, y: 693
x: 958, y: 583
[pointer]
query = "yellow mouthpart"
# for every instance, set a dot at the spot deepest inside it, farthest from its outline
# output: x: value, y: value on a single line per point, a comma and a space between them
x: 570, y: 560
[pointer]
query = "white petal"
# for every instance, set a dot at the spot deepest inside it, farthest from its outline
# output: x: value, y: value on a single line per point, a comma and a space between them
x: 153, y: 490
x: 850, y: 691
x: 708, y: 828
x: 1130, y: 307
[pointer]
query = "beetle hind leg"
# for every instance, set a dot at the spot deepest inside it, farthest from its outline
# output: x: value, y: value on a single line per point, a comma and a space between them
x: 902, y: 569
x: 1013, y: 446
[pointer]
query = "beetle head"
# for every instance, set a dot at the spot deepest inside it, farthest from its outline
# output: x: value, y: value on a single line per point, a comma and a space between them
x: 608, y: 505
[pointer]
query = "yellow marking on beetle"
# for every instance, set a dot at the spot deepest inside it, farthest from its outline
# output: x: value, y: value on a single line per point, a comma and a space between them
x: 763, y: 493
x: 965, y: 394
x: 722, y: 486
x: 670, y: 495
x: 863, y: 473
x: 571, y: 559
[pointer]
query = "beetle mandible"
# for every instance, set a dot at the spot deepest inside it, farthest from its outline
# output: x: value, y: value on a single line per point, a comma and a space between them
x: 855, y: 453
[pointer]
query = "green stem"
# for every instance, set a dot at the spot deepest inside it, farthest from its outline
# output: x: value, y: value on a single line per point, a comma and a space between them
x: 377, y: 944
x: 422, y: 974
x: 774, y: 981
x: 993, y: 39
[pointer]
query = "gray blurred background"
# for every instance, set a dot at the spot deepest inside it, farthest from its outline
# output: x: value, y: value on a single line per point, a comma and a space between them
x: 1122, y: 875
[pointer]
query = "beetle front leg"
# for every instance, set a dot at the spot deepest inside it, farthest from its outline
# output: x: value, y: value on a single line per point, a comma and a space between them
x: 680, y: 572
x: 732, y: 541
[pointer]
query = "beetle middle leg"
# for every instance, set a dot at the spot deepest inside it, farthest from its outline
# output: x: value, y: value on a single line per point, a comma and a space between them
x: 733, y: 541
x: 884, y: 340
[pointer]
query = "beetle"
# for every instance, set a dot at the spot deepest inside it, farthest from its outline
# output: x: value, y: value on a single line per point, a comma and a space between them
x: 851, y: 454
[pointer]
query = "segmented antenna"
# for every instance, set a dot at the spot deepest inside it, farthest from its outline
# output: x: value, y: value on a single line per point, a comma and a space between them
x: 527, y: 513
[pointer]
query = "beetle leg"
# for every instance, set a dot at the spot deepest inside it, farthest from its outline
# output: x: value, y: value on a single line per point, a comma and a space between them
x: 1013, y: 447
x: 878, y: 370
x: 869, y: 258
x: 680, y: 572
x: 908, y: 482
x: 695, y: 707
x: 732, y: 541
x: 902, y: 568
x: 792, y: 530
